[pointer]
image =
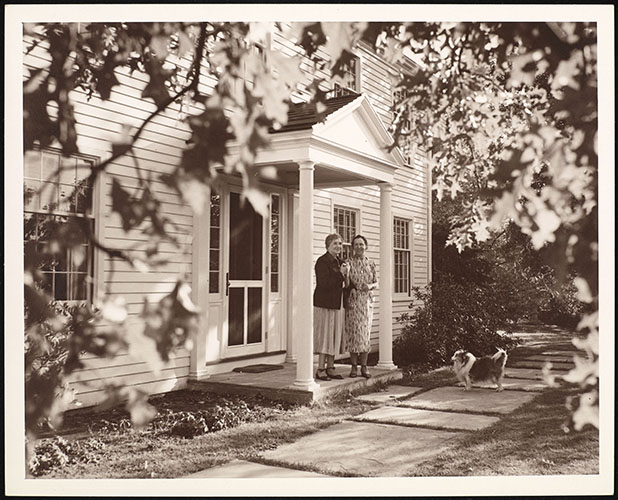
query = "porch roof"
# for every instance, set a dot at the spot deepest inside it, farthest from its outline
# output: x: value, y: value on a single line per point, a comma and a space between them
x: 303, y: 115
x: 347, y: 143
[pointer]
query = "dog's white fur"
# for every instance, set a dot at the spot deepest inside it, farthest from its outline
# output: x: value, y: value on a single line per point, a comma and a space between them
x: 468, y: 368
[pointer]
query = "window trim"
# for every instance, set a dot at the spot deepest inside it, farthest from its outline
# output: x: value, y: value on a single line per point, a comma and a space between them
x: 97, y: 215
x: 410, y: 249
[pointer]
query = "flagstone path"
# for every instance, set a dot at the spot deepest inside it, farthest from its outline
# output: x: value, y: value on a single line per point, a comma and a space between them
x: 408, y: 426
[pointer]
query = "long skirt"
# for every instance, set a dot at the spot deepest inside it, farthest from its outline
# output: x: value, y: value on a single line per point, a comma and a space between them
x: 327, y: 330
x: 358, y: 318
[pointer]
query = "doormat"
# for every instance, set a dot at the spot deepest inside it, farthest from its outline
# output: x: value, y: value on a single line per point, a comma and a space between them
x: 257, y: 368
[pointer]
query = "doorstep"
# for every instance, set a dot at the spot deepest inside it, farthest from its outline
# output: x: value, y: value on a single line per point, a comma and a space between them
x: 279, y: 384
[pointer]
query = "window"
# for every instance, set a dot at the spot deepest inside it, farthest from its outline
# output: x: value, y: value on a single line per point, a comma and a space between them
x: 345, y: 224
x: 215, y: 242
x: 275, y: 249
x: 349, y: 72
x: 402, y: 116
x: 403, y: 257
x: 56, y: 194
x: 255, y: 55
x: 399, y: 94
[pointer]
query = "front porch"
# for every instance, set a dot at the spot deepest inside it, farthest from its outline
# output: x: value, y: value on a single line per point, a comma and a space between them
x: 279, y: 384
x: 309, y: 154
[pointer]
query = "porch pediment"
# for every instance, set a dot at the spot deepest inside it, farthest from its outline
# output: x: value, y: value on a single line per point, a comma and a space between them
x: 348, y: 147
x: 358, y: 128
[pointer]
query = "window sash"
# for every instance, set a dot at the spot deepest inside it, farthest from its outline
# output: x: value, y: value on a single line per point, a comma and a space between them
x: 275, y: 242
x: 214, y: 254
x: 402, y: 275
x: 345, y: 223
x: 58, y: 195
x: 402, y: 271
x: 350, y: 80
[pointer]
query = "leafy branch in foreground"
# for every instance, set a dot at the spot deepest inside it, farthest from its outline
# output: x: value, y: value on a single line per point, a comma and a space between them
x: 509, y: 113
x: 84, y: 61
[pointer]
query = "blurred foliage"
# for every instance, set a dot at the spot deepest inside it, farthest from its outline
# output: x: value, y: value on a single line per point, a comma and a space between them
x: 251, y: 96
x: 508, y: 112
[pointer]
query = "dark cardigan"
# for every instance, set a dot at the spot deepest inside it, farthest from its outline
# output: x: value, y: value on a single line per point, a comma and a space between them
x: 329, y: 287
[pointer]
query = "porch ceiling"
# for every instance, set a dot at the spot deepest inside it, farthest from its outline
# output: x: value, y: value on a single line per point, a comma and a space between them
x: 325, y: 176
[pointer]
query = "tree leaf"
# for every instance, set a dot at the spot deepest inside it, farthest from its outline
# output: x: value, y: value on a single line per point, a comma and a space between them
x: 588, y: 411
x: 194, y: 192
x: 142, y: 412
x: 258, y: 199
x: 114, y: 310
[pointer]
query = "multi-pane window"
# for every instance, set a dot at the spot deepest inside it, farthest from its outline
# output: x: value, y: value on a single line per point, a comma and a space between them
x: 248, y: 66
x: 403, y: 255
x: 401, y: 115
x: 56, y: 198
x: 399, y: 94
x: 275, y: 248
x: 345, y: 223
x: 349, y: 78
x: 215, y: 242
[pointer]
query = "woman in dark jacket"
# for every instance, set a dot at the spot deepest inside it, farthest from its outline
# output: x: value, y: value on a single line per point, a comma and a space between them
x: 331, y: 275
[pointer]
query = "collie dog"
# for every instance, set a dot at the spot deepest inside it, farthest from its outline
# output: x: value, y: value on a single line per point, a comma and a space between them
x: 468, y: 368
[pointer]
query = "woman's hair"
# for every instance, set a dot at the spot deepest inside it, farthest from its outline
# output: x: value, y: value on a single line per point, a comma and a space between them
x: 361, y: 237
x: 330, y: 238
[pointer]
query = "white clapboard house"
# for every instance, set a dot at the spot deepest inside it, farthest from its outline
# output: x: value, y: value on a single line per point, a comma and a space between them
x: 252, y: 276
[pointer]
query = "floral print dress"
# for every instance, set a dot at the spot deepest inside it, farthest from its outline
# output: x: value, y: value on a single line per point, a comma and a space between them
x: 359, y: 310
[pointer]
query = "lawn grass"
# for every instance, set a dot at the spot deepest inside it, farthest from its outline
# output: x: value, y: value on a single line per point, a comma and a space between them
x: 145, y: 454
x: 529, y: 441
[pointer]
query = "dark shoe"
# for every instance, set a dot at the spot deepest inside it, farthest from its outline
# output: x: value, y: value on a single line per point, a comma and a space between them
x: 330, y: 372
x: 324, y: 375
x: 364, y: 372
x: 354, y: 371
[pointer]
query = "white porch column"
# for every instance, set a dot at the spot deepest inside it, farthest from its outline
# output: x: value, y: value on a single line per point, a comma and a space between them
x: 303, y: 276
x: 199, y: 288
x: 292, y: 260
x: 385, y: 360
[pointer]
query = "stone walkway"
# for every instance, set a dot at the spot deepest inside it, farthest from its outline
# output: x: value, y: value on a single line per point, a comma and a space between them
x: 408, y: 426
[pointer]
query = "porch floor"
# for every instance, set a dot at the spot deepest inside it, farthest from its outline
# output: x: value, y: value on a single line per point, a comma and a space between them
x: 279, y: 384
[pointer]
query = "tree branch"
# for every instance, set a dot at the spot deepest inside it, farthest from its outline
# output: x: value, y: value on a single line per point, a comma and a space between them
x: 193, y: 85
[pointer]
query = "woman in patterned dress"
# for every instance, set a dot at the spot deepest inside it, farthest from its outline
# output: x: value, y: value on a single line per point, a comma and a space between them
x: 359, y: 307
x: 331, y: 277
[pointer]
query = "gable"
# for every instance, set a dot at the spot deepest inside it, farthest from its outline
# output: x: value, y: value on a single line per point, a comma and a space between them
x: 358, y: 127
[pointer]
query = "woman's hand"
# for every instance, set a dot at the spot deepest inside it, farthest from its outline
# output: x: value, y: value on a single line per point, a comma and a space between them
x: 344, y: 269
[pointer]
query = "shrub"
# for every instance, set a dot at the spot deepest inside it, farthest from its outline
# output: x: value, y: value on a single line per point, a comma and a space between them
x: 452, y: 316
x: 182, y: 423
x: 45, y: 353
x: 562, y: 308
x: 225, y: 414
x: 57, y: 452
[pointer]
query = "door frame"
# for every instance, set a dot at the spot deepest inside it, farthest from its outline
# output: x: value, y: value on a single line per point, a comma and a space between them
x: 243, y: 349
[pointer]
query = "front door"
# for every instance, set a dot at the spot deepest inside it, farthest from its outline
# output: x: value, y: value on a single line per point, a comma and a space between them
x: 244, y: 280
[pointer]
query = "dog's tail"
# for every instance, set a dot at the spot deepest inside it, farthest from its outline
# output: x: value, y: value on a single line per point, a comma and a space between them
x: 500, y: 357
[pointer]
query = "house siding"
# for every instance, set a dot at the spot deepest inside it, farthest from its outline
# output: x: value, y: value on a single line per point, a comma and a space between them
x: 101, y: 123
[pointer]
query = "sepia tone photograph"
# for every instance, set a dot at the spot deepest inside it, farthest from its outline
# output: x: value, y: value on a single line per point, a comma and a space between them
x: 367, y: 253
